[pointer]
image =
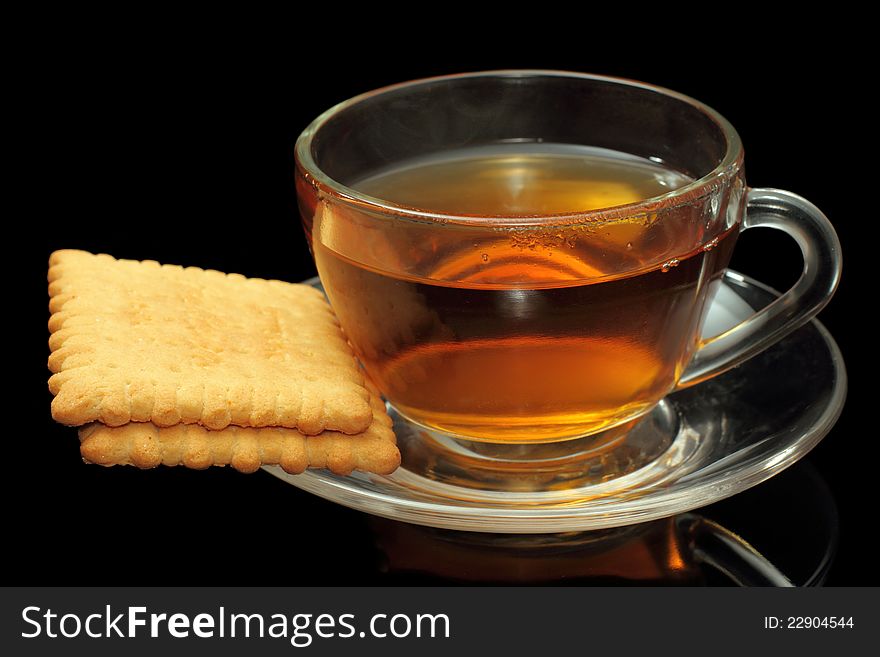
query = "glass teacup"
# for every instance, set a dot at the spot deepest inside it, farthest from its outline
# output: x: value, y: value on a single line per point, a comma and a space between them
x: 528, y: 256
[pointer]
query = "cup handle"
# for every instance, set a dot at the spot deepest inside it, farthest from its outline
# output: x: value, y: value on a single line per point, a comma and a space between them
x: 774, y: 208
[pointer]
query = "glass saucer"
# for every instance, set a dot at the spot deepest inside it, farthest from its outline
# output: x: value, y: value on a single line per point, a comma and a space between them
x: 709, y: 442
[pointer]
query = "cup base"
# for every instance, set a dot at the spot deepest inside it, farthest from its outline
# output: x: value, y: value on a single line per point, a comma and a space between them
x: 577, y: 463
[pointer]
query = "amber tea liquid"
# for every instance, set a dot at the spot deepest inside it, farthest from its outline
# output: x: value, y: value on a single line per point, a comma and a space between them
x: 517, y: 334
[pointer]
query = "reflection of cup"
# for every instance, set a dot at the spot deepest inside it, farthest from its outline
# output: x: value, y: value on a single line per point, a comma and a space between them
x: 651, y: 553
x: 527, y: 256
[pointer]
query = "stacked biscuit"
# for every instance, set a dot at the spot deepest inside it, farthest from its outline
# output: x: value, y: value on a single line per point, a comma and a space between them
x: 160, y: 364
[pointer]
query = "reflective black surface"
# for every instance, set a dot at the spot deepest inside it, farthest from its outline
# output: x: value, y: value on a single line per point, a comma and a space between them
x: 781, y: 534
x: 183, y: 154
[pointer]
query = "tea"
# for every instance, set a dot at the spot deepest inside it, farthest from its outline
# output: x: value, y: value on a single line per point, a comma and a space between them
x: 516, y: 333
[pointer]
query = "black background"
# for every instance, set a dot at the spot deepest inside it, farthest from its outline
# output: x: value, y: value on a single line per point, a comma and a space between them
x: 175, y: 143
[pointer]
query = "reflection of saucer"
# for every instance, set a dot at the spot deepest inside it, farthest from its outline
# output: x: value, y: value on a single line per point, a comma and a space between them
x: 758, y: 538
x: 712, y: 440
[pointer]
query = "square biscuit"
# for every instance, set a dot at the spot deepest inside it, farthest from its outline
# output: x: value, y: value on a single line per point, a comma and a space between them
x: 144, y: 445
x: 162, y: 344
